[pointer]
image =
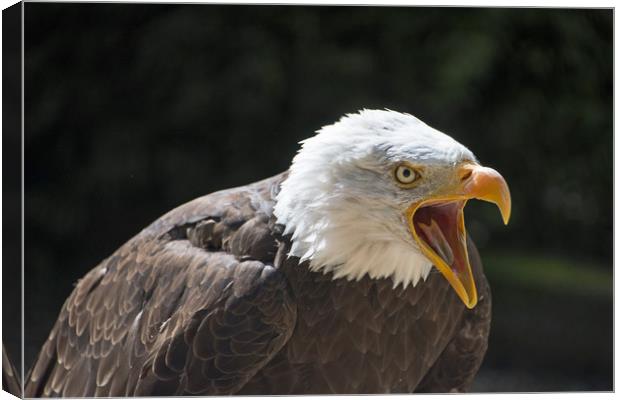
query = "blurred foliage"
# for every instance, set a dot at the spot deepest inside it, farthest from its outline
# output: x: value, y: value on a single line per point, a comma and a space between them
x: 133, y: 109
x: 552, y: 327
x: 549, y: 274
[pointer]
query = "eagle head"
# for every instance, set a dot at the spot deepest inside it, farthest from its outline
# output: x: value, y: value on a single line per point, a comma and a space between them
x: 380, y: 193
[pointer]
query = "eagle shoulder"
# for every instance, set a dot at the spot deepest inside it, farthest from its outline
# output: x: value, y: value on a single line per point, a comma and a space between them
x: 191, y: 305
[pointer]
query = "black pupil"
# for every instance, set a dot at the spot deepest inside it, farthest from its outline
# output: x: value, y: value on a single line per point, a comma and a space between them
x: 406, y: 172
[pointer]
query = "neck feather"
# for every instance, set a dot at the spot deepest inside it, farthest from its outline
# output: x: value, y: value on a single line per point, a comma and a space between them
x: 346, y: 235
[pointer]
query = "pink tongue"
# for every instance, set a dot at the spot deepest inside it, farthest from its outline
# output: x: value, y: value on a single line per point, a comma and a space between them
x: 437, y: 225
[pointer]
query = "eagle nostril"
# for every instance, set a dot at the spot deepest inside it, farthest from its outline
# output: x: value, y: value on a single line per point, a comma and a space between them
x: 466, y: 176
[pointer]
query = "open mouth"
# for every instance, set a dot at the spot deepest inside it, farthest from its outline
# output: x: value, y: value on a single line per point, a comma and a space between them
x: 440, y: 227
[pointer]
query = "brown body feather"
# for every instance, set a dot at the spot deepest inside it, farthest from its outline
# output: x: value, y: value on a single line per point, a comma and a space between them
x: 205, y: 301
x: 10, y: 377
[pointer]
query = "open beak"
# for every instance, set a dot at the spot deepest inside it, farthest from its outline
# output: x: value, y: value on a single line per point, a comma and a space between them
x: 438, y: 225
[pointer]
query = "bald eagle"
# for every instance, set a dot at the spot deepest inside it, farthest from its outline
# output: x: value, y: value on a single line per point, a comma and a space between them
x: 351, y: 272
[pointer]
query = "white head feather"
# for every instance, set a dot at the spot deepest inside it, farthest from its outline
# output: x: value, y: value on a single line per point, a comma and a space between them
x: 342, y: 206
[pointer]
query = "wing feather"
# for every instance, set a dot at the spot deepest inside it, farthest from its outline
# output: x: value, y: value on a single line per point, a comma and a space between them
x: 191, y: 305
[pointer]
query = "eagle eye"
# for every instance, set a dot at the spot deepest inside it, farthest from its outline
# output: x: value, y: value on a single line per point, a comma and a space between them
x: 405, y: 174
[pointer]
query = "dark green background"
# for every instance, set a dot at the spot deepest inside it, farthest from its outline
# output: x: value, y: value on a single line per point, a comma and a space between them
x: 131, y: 110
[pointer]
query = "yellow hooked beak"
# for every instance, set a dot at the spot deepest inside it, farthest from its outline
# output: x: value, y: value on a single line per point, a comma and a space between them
x: 438, y: 225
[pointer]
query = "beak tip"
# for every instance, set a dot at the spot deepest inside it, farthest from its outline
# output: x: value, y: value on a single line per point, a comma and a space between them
x: 470, y: 303
x: 506, y: 219
x: 504, y: 209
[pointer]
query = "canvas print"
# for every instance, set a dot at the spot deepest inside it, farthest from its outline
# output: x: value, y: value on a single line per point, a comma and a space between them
x: 266, y: 200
